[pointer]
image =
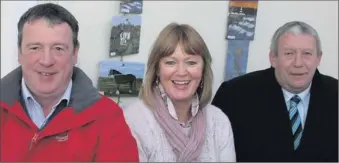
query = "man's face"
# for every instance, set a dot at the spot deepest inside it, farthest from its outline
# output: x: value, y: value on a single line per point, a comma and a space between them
x: 296, y: 61
x: 47, y: 57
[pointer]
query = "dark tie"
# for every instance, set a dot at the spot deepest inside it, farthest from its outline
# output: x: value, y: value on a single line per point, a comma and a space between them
x: 295, y: 121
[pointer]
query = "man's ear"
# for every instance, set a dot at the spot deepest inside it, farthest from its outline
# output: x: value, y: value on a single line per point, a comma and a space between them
x: 75, y: 56
x: 19, y: 56
x: 273, y: 59
x: 319, y: 58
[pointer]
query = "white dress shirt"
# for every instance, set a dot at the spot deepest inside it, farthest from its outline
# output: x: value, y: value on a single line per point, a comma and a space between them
x: 302, y: 105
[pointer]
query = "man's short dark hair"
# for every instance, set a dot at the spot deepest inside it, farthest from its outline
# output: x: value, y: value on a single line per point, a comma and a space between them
x: 52, y: 13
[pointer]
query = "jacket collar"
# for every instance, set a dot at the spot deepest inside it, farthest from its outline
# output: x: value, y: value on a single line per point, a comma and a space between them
x: 83, y: 93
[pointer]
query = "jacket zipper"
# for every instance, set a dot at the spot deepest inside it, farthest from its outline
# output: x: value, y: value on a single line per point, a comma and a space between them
x: 33, y: 141
x: 57, y: 110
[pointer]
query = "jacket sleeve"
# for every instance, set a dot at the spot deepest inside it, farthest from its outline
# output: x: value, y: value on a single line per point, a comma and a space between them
x: 223, y: 98
x: 116, y: 143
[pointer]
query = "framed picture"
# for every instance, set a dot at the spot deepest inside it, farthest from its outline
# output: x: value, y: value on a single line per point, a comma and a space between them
x: 120, y: 79
x: 236, y: 59
x: 131, y: 6
x: 125, y: 35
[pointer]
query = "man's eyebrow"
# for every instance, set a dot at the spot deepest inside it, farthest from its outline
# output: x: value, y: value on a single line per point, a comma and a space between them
x: 61, y: 44
x: 55, y: 44
x: 288, y: 48
x: 34, y: 43
x: 308, y: 49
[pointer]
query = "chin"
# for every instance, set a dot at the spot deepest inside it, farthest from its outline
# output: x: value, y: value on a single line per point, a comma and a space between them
x: 299, y: 86
x: 180, y: 97
x: 45, y: 90
x: 301, y: 83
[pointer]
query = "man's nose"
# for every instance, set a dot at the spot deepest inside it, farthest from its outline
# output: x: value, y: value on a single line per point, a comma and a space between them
x: 46, y: 58
x: 298, y: 61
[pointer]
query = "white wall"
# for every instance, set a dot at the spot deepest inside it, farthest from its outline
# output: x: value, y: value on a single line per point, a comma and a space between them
x: 10, y: 15
x: 208, y: 17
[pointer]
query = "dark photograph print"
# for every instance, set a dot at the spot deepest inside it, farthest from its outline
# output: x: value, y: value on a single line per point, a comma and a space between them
x: 125, y: 36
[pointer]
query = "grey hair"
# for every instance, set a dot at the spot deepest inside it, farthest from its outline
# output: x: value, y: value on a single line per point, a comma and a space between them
x: 53, y: 14
x: 295, y: 27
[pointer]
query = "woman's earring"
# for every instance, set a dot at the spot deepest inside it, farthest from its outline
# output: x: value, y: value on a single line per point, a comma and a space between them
x: 157, y: 81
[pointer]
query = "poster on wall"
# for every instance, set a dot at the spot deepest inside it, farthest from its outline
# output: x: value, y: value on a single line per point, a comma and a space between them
x: 125, y: 35
x: 236, y: 59
x: 120, y: 79
x: 131, y: 6
x: 241, y: 20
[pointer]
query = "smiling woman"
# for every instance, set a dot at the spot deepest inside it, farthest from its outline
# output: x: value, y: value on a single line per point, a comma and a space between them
x: 174, y: 109
x: 180, y: 74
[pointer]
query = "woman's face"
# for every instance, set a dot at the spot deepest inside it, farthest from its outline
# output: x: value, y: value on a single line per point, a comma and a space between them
x: 180, y: 74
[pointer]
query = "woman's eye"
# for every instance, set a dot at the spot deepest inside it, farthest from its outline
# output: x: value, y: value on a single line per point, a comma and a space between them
x: 191, y: 62
x: 170, y: 62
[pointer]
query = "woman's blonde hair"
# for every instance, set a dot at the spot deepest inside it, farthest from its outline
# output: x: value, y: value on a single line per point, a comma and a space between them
x: 192, y: 43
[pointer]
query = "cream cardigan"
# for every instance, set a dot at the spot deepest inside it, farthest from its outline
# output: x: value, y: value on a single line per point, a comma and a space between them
x: 153, y: 145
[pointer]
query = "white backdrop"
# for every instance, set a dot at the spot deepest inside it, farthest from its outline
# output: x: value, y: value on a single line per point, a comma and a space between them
x: 208, y: 17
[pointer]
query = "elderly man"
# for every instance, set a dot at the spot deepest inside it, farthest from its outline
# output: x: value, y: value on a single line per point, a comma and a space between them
x: 49, y: 110
x: 288, y: 112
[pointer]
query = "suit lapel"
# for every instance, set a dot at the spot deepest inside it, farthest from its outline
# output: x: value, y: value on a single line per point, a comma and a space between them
x: 314, y: 115
x: 279, y: 122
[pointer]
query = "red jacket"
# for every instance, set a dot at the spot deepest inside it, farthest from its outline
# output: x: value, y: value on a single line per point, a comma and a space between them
x: 91, y: 128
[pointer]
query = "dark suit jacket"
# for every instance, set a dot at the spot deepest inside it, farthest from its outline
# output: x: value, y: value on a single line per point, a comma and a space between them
x: 257, y: 110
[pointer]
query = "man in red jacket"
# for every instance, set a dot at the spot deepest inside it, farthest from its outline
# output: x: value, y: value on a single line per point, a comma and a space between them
x: 50, y: 110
